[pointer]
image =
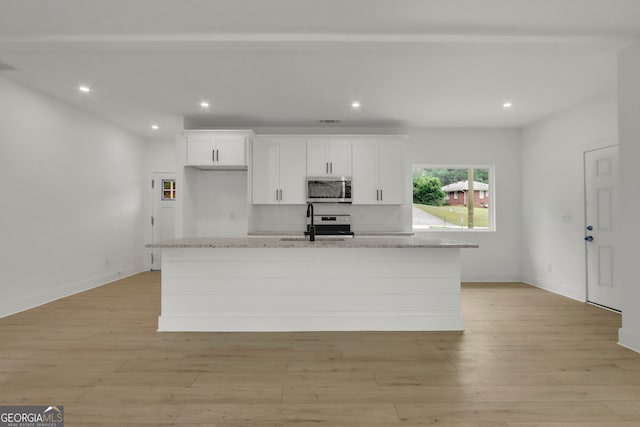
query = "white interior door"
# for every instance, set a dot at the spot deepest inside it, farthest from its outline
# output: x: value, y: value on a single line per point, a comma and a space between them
x: 162, y: 222
x: 602, y: 204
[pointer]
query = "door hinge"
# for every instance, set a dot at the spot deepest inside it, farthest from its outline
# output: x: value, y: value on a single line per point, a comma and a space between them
x: 152, y: 221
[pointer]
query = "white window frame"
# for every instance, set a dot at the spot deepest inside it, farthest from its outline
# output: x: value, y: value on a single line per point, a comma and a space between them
x: 490, y: 197
x: 172, y: 189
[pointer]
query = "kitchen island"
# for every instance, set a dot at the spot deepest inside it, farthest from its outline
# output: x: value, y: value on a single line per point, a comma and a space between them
x: 290, y: 284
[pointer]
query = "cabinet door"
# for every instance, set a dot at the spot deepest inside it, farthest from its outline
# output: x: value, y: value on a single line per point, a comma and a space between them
x: 339, y: 158
x: 293, y: 172
x: 391, y: 173
x: 201, y: 150
x: 317, y: 158
x: 329, y: 157
x: 365, y: 174
x: 231, y: 151
x: 266, y: 173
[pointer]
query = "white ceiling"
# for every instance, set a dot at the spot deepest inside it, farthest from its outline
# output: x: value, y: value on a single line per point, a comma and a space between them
x: 274, y: 63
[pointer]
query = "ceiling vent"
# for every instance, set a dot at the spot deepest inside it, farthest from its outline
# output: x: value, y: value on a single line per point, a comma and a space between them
x: 6, y: 67
x: 329, y: 121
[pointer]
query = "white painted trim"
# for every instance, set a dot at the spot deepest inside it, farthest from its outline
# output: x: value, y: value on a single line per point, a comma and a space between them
x: 7, y: 308
x: 124, y: 41
x: 599, y: 144
x: 557, y: 288
x: 491, y: 277
x: 629, y: 339
x: 310, y: 322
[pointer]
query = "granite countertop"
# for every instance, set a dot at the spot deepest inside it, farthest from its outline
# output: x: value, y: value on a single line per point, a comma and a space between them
x: 320, y: 242
x: 358, y: 233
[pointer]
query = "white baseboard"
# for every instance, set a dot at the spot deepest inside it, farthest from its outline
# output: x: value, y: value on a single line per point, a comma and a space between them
x: 490, y: 277
x: 557, y: 288
x: 629, y: 339
x: 310, y: 322
x: 13, y: 306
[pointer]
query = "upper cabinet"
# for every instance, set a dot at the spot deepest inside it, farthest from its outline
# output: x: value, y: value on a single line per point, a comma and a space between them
x: 279, y: 170
x: 378, y: 167
x: 329, y: 156
x: 217, y: 149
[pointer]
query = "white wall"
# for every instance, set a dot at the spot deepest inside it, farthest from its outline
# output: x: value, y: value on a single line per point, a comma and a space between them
x: 220, y: 208
x: 293, y: 218
x: 498, y: 258
x: 626, y: 257
x: 71, y: 200
x: 553, y: 188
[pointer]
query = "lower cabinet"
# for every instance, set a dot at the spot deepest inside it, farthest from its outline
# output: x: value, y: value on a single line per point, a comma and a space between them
x: 279, y: 171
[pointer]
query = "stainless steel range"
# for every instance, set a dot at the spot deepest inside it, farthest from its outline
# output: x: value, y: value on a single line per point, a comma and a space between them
x: 331, y: 225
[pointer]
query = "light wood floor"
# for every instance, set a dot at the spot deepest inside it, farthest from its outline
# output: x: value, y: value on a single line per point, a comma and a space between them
x: 528, y: 358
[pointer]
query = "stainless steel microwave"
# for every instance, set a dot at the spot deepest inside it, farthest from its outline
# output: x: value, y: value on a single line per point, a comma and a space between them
x: 334, y: 189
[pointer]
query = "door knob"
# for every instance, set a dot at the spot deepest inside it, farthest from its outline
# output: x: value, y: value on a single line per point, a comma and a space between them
x: 589, y: 238
x: 589, y: 227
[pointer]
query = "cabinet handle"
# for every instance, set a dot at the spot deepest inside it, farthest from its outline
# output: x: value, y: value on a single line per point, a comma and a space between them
x: 217, y: 155
x: 380, y: 194
x: 281, y: 195
x: 326, y: 167
x: 377, y: 194
x: 213, y: 156
x: 277, y: 195
x: 331, y: 168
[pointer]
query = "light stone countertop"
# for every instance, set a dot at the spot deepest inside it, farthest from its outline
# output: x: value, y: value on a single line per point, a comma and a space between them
x: 320, y: 242
x: 358, y: 233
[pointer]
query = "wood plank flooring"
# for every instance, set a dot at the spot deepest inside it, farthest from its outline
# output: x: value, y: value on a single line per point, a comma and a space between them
x: 527, y: 358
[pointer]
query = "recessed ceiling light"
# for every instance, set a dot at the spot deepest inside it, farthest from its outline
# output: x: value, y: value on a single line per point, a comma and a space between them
x: 84, y: 88
x: 204, y: 104
x: 507, y: 104
x: 155, y: 127
x: 355, y: 105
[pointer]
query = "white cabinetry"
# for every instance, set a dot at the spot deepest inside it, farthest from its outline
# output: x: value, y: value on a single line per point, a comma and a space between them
x: 378, y: 172
x: 213, y: 183
x: 329, y: 156
x: 279, y: 171
x: 211, y: 149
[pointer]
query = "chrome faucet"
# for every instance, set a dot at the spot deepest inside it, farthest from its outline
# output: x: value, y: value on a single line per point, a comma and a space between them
x: 311, y: 229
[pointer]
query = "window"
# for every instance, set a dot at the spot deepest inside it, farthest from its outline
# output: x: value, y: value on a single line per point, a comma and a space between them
x: 168, y: 189
x: 443, y: 200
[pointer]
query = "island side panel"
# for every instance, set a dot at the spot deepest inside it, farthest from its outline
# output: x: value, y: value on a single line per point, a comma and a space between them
x: 310, y: 289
